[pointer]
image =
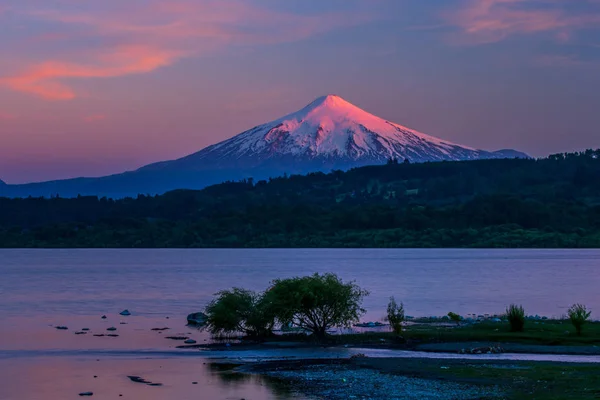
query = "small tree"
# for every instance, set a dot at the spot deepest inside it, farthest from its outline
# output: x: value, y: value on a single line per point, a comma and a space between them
x: 316, y: 303
x: 239, y: 310
x: 395, y: 315
x: 579, y: 315
x: 516, y: 317
x: 454, y: 317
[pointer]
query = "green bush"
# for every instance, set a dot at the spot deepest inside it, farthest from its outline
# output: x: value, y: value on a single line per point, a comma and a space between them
x: 454, y: 317
x: 395, y: 315
x: 579, y: 315
x: 316, y: 303
x: 516, y: 317
x: 239, y: 311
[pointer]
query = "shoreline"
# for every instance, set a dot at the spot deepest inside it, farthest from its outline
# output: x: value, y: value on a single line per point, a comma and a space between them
x: 439, y: 348
x: 418, y: 378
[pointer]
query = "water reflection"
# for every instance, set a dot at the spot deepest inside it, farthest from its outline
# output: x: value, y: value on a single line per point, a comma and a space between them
x: 229, y: 376
x: 107, y: 378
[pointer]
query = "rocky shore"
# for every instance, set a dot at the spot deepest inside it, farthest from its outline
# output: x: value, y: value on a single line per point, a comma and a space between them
x: 435, y: 379
x: 342, y: 381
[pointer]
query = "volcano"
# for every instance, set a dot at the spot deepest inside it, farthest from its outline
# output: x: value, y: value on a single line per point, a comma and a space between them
x: 329, y: 133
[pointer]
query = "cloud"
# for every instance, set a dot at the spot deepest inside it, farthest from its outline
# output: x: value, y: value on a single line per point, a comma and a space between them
x: 94, y: 118
x: 135, y: 40
x: 569, y: 60
x: 7, y: 116
x: 487, y: 21
x: 45, y: 79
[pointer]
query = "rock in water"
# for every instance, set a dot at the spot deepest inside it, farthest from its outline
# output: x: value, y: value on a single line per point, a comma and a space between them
x: 138, y: 379
x: 103, y: 317
x: 62, y: 328
x: 112, y: 328
x: 86, y: 393
x: 197, y: 319
x: 125, y: 313
x: 190, y: 341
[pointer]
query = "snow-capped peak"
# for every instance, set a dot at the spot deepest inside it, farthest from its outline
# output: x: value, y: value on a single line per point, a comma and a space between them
x: 330, y: 132
x: 333, y: 127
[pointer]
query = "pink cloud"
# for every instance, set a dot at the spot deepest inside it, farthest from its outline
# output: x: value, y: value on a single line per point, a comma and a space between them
x: 45, y: 80
x: 486, y: 21
x: 7, y: 116
x: 136, y: 40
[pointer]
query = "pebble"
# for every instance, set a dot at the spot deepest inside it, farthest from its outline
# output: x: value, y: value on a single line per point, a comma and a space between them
x: 176, y: 337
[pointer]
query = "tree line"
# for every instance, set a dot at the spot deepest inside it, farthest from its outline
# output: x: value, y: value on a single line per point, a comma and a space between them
x: 550, y: 202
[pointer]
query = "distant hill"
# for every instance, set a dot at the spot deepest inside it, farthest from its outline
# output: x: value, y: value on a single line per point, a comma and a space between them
x: 553, y: 202
x: 329, y: 133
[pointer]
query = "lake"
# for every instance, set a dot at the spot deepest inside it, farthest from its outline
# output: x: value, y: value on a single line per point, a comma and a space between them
x: 44, y: 288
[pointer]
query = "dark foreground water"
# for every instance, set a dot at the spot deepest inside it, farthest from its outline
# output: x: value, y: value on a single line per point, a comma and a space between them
x: 40, y: 289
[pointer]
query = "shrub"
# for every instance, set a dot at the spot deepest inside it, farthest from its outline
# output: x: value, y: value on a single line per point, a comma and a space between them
x: 454, y: 317
x: 316, y: 303
x: 578, y: 314
x: 516, y: 317
x: 395, y: 315
x: 239, y: 311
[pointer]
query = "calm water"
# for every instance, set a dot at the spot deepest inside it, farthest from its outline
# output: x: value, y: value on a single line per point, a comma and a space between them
x: 167, y: 282
x: 44, y: 288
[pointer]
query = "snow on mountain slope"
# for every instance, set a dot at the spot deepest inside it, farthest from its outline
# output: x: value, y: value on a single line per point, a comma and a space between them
x: 330, y: 132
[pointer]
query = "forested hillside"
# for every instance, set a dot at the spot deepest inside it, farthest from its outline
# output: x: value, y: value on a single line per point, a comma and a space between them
x: 552, y: 202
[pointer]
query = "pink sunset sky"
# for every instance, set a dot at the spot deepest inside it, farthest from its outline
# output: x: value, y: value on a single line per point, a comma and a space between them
x: 89, y: 88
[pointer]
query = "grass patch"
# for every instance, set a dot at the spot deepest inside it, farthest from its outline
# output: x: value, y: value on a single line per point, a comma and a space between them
x: 530, y: 380
x: 547, y: 332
